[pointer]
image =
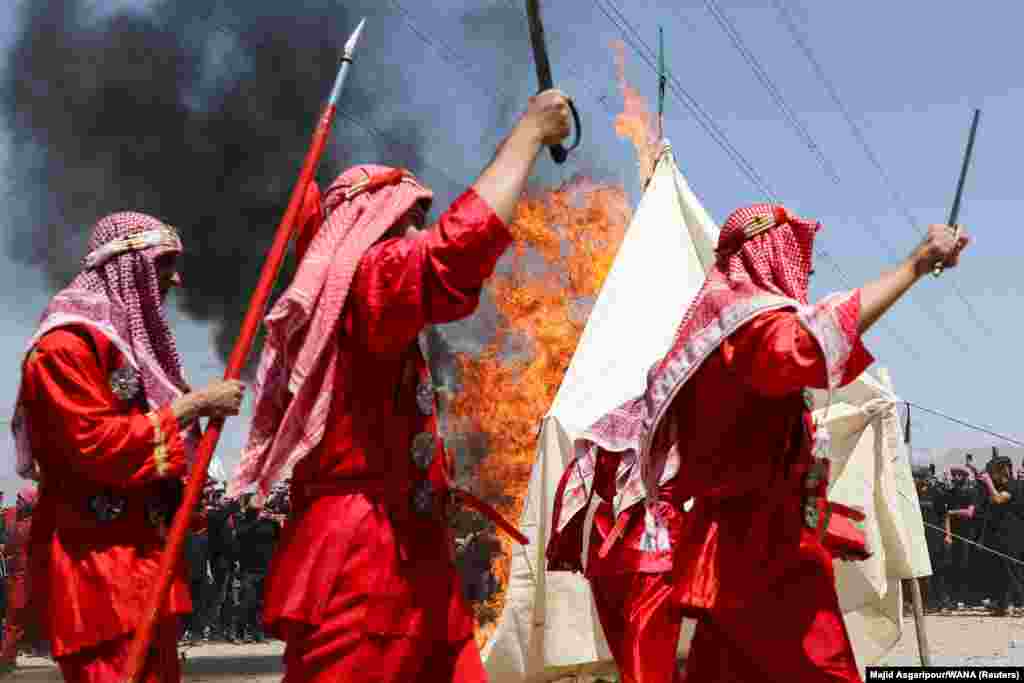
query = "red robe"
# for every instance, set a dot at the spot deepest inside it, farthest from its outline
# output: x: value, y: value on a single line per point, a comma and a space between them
x: 93, y: 568
x: 759, y: 582
x: 362, y: 586
x: 18, y: 624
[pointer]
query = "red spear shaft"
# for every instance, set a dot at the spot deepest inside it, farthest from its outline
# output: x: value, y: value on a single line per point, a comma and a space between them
x: 257, y: 305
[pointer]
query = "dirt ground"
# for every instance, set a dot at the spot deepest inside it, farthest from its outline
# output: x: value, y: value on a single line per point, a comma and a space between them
x: 962, y: 639
x: 215, y: 663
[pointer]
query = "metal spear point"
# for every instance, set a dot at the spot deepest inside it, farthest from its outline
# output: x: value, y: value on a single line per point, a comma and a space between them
x: 350, y: 47
x: 169, y: 560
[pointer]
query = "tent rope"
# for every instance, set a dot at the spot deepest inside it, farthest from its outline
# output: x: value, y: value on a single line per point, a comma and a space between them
x: 967, y: 540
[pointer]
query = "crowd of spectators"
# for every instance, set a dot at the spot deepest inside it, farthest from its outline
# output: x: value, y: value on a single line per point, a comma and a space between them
x: 974, y: 526
x: 229, y: 560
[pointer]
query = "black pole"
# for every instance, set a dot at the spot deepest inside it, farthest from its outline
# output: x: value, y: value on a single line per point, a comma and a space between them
x: 954, y: 214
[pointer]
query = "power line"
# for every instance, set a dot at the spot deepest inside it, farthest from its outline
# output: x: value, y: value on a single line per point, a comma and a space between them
x: 688, y: 101
x: 575, y: 71
x: 396, y: 145
x: 967, y: 424
x: 709, y: 125
x: 444, y: 51
x: 801, y: 130
x: 703, y: 118
x: 858, y: 134
x: 820, y: 251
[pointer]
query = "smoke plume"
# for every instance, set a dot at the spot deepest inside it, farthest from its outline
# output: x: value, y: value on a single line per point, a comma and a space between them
x: 198, y: 116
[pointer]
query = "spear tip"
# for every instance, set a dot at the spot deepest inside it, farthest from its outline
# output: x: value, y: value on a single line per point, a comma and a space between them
x: 350, y: 46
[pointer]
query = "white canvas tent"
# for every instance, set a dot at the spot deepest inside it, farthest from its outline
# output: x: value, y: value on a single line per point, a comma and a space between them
x: 549, y: 628
x: 216, y: 469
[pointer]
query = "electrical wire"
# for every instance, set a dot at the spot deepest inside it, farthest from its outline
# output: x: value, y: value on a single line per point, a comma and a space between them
x: 963, y: 423
x: 704, y: 120
x: 630, y: 34
x: 858, y: 134
x: 801, y: 130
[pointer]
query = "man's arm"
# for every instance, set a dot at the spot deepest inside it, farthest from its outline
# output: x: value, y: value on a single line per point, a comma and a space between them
x: 994, y: 496
x: 435, y: 276
x: 939, y: 246
x: 963, y: 513
x: 546, y: 122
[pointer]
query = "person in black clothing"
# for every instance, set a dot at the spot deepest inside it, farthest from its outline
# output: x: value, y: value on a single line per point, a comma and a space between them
x: 962, y: 505
x: 221, y: 531
x: 969, y: 464
x: 1004, y: 530
x: 257, y: 536
x: 197, y: 550
x: 932, y: 497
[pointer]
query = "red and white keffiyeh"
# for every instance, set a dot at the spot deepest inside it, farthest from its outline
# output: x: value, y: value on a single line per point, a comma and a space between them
x: 295, y: 380
x: 764, y: 263
x: 118, y: 294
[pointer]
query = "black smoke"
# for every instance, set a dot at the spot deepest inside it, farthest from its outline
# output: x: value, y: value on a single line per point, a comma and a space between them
x: 198, y: 113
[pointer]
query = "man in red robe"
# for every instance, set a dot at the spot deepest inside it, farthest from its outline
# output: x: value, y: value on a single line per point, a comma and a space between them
x: 17, y: 624
x: 363, y: 586
x: 710, y: 487
x: 106, y: 423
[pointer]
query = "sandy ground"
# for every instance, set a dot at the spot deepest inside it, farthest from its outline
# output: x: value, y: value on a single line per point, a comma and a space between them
x: 220, y: 663
x: 963, y: 639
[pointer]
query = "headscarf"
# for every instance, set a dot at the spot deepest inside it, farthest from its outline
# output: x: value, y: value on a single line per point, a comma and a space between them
x: 118, y: 294
x: 26, y: 500
x: 763, y: 262
x: 763, y: 251
x: 295, y: 380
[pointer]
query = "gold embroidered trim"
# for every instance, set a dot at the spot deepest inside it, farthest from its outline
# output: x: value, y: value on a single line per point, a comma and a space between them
x: 758, y: 224
x: 159, y: 443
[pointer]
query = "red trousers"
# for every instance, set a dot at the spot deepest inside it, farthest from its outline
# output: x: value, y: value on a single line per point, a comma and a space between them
x: 324, y: 655
x: 795, y: 632
x: 641, y: 623
x: 106, y: 663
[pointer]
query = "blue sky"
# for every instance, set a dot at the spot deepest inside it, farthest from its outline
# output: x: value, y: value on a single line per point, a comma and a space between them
x: 910, y: 74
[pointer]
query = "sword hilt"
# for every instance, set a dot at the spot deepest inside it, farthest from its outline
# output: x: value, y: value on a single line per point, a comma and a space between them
x: 558, y: 152
x: 940, y: 266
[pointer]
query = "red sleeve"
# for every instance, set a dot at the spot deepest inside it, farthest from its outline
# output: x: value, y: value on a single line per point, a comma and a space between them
x: 432, y: 277
x: 83, y: 423
x: 200, y: 523
x: 777, y: 355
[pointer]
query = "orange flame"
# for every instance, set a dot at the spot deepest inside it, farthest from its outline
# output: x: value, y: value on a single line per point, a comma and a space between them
x: 636, y: 122
x: 576, y: 230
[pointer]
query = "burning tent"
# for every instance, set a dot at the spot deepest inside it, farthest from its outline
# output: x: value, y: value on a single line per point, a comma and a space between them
x: 549, y: 628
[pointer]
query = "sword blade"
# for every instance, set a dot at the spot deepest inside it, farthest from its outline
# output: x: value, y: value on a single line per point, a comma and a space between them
x: 954, y: 214
x: 540, y: 49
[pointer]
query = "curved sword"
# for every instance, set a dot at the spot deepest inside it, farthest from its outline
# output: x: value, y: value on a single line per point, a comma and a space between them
x: 544, y: 79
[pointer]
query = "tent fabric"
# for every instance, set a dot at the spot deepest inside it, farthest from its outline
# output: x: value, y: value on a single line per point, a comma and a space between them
x: 871, y: 470
x: 216, y: 469
x: 549, y: 629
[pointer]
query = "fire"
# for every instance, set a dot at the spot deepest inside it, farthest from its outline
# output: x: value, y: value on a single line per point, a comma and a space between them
x: 636, y: 122
x: 576, y: 230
